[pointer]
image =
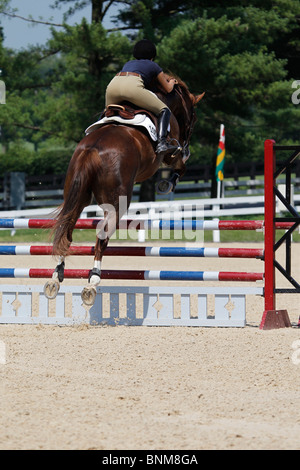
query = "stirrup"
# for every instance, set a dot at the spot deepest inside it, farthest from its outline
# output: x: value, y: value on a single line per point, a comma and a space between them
x: 177, y: 146
x: 165, y: 146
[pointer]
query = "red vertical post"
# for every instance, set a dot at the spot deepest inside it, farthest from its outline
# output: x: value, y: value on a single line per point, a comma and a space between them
x: 270, y: 165
x: 271, y: 318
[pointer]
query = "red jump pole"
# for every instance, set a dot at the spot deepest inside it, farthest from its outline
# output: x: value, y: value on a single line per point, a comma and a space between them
x: 270, y: 182
x: 271, y: 318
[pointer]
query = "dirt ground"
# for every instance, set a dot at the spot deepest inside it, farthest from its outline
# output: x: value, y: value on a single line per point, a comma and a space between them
x: 147, y: 388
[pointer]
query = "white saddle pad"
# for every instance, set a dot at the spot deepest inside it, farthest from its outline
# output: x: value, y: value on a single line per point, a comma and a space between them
x: 139, y: 120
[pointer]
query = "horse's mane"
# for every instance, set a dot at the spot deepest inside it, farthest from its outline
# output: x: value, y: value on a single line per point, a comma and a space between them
x: 183, y: 86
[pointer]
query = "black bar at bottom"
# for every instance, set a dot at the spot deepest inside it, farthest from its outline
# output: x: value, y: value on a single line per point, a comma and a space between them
x: 287, y: 291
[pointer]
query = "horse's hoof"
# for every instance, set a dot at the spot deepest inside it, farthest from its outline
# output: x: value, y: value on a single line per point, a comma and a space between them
x: 51, y: 289
x: 88, y: 295
x: 164, y: 187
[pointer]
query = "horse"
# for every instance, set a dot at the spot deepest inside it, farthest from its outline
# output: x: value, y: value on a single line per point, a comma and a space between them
x: 106, y: 164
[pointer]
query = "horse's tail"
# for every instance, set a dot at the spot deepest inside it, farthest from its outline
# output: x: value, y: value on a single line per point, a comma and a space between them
x: 77, y: 195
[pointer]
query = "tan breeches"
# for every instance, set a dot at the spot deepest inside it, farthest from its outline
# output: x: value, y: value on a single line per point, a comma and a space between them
x: 132, y: 89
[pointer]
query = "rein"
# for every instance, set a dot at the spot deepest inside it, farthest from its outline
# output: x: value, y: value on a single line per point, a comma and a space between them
x: 189, y: 128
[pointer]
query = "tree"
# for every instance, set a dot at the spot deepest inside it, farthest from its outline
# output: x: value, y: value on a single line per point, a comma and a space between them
x: 57, y: 90
x: 241, y: 53
x: 234, y: 60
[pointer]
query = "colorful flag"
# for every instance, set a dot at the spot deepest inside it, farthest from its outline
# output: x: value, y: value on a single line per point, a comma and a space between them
x: 221, y: 155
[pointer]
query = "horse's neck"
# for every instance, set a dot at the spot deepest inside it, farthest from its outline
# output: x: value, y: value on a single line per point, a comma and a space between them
x: 173, y: 102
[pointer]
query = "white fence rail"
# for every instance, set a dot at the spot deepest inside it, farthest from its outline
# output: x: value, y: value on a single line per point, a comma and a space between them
x: 30, y: 199
x: 216, y: 207
x: 171, y: 210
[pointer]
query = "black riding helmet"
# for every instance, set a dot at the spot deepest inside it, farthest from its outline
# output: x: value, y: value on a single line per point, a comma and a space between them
x: 144, y: 49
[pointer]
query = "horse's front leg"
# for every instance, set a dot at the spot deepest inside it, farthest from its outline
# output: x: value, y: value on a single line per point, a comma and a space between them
x: 168, y: 185
x: 165, y: 187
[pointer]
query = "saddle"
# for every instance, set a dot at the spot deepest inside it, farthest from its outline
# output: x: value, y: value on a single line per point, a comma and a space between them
x: 127, y: 114
x: 127, y: 111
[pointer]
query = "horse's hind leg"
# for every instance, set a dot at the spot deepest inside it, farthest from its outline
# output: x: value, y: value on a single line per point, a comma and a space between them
x: 89, y: 292
x: 51, y: 287
x: 105, y: 231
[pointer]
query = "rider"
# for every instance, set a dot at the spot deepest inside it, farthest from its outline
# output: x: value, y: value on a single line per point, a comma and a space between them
x: 133, y: 84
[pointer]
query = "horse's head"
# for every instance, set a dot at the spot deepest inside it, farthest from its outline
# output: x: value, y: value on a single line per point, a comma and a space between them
x: 182, y: 104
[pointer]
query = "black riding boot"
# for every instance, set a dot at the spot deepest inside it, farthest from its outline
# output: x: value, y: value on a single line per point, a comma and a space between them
x: 163, y: 147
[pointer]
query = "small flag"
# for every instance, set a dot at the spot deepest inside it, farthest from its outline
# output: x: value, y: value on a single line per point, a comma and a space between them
x: 221, y: 155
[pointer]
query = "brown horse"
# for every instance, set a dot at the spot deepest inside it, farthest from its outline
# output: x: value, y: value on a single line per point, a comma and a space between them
x: 107, y: 163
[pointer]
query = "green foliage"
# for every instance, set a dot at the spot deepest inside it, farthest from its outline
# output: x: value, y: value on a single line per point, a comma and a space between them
x: 243, y: 54
x: 21, y: 156
x: 245, y: 83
